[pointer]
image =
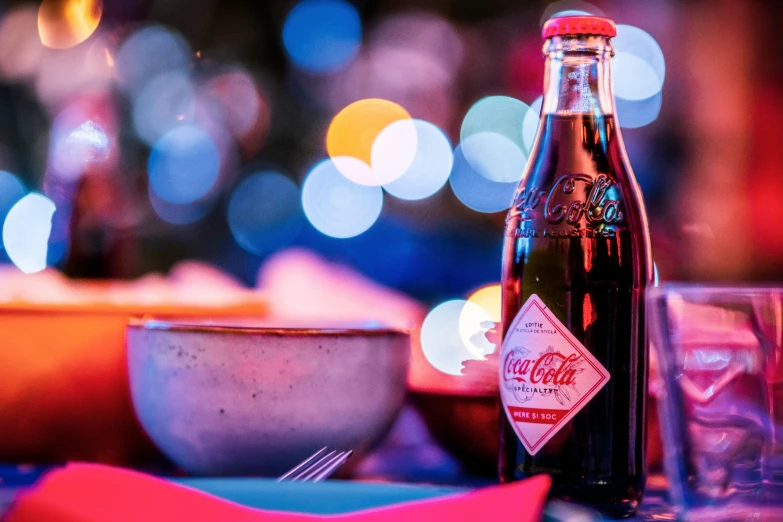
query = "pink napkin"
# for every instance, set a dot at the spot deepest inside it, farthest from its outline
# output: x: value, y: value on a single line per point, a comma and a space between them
x: 97, y: 493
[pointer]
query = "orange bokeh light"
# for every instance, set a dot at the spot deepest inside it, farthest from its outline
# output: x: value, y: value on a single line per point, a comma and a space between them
x: 65, y: 23
x: 488, y: 298
x: 354, y: 129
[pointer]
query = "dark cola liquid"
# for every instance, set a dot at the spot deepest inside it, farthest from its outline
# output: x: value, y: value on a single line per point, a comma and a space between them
x: 585, y: 254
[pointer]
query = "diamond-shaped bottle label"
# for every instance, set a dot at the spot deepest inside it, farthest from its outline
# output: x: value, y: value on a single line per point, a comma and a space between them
x: 546, y: 375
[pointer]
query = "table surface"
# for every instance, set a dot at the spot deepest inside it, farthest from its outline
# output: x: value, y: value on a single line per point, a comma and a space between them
x: 408, y: 455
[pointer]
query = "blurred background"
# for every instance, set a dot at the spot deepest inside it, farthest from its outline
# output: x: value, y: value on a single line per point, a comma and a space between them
x: 387, y: 136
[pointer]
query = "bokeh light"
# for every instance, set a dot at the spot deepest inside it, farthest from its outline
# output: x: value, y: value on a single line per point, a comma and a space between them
x: 167, y: 101
x: 531, y: 122
x: 353, y: 131
x: 355, y: 170
x: 21, y: 50
x: 571, y: 12
x: 489, y: 299
x: 475, y: 189
x: 336, y: 206
x: 480, y: 314
x: 265, y: 212
x: 474, y: 322
x: 69, y: 73
x: 179, y: 214
x: 424, y: 33
x: 242, y: 106
x: 76, y: 143
x: 394, y: 150
x: 183, y: 165
x: 322, y: 36
x: 148, y: 52
x: 634, y: 79
x: 413, y: 57
x: 496, y: 114
x: 408, y: 75
x: 639, y: 67
x: 65, y: 23
x: 494, y: 156
x: 11, y: 191
x: 430, y: 168
x: 569, y: 8
x: 441, y: 341
x: 26, y: 232
x: 632, y: 114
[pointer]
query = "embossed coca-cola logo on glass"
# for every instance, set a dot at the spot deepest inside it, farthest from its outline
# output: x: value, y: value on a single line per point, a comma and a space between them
x: 574, y: 198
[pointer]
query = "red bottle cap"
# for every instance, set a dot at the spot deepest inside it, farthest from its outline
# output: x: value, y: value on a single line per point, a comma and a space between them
x: 574, y: 25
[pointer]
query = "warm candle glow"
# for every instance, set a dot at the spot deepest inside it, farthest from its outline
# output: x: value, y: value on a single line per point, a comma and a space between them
x: 66, y: 23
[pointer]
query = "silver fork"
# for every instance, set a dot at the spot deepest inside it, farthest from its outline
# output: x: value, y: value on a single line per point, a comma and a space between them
x: 316, y: 467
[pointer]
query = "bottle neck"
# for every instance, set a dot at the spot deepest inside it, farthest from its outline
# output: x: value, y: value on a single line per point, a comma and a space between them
x: 578, y: 76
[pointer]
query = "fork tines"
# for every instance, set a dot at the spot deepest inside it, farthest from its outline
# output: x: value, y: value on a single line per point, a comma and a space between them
x: 317, y: 467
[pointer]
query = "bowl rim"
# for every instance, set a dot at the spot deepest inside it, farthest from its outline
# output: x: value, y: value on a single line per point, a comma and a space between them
x: 474, y: 393
x: 149, y: 324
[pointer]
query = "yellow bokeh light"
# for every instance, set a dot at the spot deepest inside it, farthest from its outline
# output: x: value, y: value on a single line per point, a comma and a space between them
x: 354, y: 129
x: 489, y: 299
x: 481, y: 310
x: 65, y: 23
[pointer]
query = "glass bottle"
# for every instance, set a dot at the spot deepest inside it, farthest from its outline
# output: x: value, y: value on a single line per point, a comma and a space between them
x: 576, y: 261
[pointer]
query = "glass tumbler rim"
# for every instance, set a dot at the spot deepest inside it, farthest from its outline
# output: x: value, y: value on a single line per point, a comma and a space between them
x: 713, y: 288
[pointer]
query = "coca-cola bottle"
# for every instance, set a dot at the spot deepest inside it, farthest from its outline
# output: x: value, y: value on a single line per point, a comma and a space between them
x: 576, y: 260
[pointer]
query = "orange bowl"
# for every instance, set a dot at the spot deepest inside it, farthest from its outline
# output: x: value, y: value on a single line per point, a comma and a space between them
x: 64, y: 392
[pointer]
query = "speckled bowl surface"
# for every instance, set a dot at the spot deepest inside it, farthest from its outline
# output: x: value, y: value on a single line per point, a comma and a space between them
x: 243, y: 400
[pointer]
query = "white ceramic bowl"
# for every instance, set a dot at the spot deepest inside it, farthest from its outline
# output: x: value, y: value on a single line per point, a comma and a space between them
x: 255, y: 401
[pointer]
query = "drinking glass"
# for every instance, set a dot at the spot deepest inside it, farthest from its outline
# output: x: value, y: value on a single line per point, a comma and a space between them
x: 719, y: 355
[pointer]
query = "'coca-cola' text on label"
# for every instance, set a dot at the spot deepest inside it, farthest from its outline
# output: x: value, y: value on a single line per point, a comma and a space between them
x: 546, y: 375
